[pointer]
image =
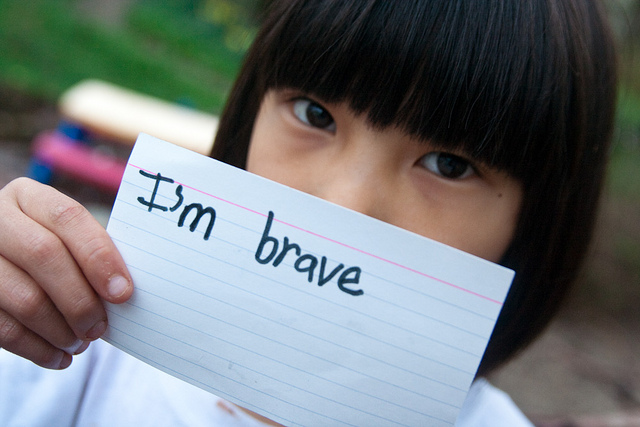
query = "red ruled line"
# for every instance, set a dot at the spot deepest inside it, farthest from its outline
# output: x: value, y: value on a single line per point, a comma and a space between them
x: 404, y: 267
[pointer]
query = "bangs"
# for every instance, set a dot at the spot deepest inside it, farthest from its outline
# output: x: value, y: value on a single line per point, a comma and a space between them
x: 477, y: 89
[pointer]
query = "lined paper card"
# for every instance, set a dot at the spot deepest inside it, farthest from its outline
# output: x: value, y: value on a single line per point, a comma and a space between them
x: 295, y: 308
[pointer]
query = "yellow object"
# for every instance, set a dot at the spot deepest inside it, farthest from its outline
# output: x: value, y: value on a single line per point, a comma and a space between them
x: 120, y: 114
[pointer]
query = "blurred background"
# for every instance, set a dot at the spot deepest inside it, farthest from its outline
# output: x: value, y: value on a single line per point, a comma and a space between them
x: 584, y: 371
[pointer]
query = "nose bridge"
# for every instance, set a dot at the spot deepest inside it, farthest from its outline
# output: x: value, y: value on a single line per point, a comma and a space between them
x: 356, y: 179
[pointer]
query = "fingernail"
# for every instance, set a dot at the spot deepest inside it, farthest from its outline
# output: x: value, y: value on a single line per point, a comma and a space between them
x: 117, y: 286
x: 96, y: 330
x: 82, y: 348
x: 74, y: 347
x: 65, y: 361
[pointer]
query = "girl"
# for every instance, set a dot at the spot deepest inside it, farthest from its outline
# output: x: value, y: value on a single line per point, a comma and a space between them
x: 482, y: 124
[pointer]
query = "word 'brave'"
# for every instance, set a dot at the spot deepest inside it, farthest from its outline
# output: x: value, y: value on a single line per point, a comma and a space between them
x: 269, y: 249
x: 304, y: 263
x: 200, y: 210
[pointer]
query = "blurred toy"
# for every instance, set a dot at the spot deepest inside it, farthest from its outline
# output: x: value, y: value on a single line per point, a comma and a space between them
x: 100, y: 122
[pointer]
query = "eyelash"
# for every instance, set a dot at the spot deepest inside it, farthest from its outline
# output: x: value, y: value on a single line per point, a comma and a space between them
x: 433, y: 162
x: 436, y: 161
x: 301, y: 109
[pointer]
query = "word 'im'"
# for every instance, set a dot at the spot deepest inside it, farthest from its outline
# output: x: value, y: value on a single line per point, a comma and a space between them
x: 200, y: 211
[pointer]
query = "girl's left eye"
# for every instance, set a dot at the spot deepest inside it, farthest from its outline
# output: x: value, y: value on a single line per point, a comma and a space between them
x: 447, y: 165
x: 313, y: 114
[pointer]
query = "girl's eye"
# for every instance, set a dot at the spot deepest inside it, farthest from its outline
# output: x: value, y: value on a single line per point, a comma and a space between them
x: 313, y: 114
x: 447, y: 165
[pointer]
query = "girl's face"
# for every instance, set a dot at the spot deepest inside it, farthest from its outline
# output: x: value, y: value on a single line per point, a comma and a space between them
x: 326, y: 150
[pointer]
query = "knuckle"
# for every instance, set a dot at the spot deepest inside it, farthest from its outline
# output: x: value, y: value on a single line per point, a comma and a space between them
x: 16, y: 187
x: 14, y: 337
x: 31, y: 304
x: 95, y: 250
x: 67, y: 213
x: 17, y: 183
x: 8, y: 193
x: 42, y: 249
x: 11, y: 332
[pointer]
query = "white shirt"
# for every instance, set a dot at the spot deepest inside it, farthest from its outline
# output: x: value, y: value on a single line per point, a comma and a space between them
x: 106, y: 387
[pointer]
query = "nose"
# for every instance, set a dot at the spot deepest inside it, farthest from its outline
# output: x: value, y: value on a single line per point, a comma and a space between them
x: 355, y: 184
x: 356, y: 196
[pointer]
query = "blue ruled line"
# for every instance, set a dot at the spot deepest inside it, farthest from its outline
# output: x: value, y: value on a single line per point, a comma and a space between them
x: 303, y: 352
x: 306, y: 313
x: 256, y: 372
x: 344, y: 245
x: 462, y: 350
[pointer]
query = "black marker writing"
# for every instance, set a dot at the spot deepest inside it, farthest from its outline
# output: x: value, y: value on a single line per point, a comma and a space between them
x: 158, y: 178
x: 269, y: 246
x: 200, y: 210
x: 180, y: 199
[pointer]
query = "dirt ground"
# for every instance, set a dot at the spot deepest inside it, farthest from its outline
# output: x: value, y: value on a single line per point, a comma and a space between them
x: 584, y: 371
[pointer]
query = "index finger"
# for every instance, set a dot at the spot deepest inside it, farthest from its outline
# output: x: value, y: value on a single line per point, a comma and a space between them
x: 86, y: 240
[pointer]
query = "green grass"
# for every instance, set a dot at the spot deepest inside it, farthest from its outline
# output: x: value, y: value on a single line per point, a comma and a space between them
x: 46, y: 46
x: 167, y: 49
x: 623, y: 179
x: 624, y: 168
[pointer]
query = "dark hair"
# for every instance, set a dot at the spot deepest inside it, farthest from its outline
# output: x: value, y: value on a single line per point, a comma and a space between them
x: 524, y: 86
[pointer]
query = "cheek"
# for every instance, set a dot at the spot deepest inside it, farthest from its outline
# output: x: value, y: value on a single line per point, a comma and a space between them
x: 480, y: 221
x: 492, y: 242
x: 281, y: 151
x: 259, y: 157
x: 263, y: 157
x: 269, y: 156
x: 267, y: 159
x: 488, y: 231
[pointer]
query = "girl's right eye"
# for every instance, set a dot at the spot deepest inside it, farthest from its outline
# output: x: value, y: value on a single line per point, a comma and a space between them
x: 447, y: 165
x: 313, y: 114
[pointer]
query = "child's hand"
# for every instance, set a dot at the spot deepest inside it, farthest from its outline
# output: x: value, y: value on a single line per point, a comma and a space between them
x: 56, y: 263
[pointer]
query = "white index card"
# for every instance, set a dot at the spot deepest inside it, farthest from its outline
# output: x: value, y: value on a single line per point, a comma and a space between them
x: 295, y: 308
